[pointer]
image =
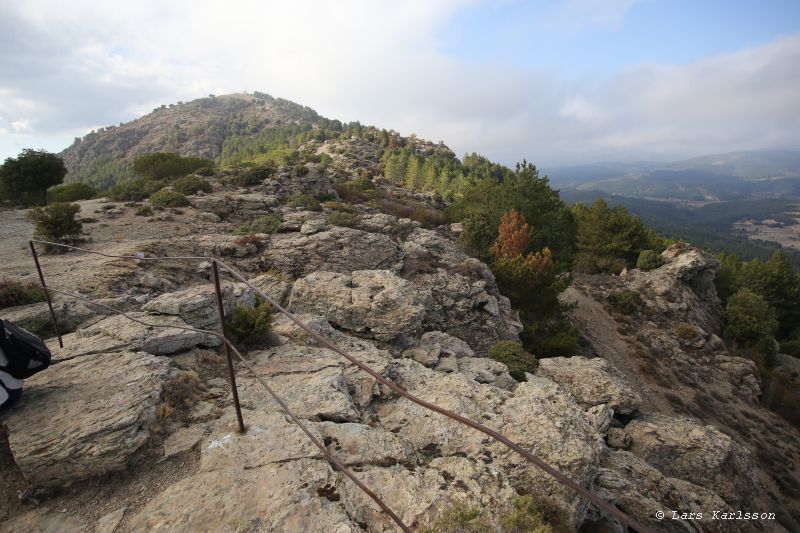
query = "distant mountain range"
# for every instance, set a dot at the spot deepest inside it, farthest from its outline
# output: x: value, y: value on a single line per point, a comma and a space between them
x: 712, y: 178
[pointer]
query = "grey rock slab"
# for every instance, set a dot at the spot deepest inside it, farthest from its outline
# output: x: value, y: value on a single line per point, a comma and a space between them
x: 85, y: 417
x: 154, y: 340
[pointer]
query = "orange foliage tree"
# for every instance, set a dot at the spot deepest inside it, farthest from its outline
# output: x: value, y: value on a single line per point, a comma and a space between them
x: 529, y: 281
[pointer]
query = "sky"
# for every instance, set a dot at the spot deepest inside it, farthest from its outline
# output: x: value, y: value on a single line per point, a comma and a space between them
x: 557, y: 82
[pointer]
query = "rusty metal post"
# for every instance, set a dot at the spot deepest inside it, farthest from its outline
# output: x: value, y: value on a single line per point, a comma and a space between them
x: 46, y: 294
x: 221, y: 310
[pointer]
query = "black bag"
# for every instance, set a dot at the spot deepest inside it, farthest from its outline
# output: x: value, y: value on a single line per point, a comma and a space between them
x: 26, y: 353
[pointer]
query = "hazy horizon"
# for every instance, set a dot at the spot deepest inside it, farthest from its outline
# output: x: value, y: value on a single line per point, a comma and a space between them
x: 557, y: 82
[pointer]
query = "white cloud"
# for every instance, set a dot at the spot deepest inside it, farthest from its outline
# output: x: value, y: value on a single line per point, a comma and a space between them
x: 85, y: 63
x: 22, y: 125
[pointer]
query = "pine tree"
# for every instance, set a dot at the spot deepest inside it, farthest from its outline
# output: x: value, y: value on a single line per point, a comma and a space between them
x: 428, y: 176
x: 412, y: 178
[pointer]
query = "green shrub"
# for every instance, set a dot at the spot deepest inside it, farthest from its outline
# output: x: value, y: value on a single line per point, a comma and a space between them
x: 305, y: 201
x: 625, y: 302
x: 13, y: 293
x: 135, y: 190
x: 223, y: 212
x: 339, y: 206
x: 167, y: 198
x: 162, y: 165
x: 461, y: 518
x: 357, y: 191
x: 56, y: 222
x: 648, y: 260
x: 686, y: 332
x: 144, y: 211
x: 524, y: 514
x: 252, y: 176
x: 556, y: 340
x: 205, y: 171
x: 249, y: 326
x: 749, y: 318
x: 535, y: 514
x: 514, y: 356
x: 339, y: 218
x: 71, y: 192
x: 264, y: 224
x: 191, y: 184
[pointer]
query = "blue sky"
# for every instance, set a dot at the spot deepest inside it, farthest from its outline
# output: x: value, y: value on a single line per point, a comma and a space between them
x: 617, y: 35
x: 556, y: 82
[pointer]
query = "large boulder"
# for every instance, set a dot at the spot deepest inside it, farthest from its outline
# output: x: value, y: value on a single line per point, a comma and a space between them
x: 591, y: 382
x: 338, y: 249
x: 197, y: 305
x: 373, y: 303
x: 86, y: 416
x: 160, y: 340
x: 703, y: 455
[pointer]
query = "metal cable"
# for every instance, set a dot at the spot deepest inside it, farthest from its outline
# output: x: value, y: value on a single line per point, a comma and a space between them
x: 556, y: 474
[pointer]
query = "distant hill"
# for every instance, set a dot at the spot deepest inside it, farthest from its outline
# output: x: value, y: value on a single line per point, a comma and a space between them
x: 216, y: 127
x: 720, y: 177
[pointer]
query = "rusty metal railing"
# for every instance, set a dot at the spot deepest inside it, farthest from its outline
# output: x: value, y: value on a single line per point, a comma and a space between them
x: 541, y: 464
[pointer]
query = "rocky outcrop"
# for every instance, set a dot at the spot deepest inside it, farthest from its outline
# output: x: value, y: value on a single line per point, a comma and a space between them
x: 642, y: 491
x: 591, y: 382
x: 373, y: 303
x: 703, y: 455
x: 684, y: 287
x: 85, y: 417
x: 338, y: 249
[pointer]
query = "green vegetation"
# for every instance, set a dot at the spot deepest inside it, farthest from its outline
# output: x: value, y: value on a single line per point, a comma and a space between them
x: 357, y: 191
x: 14, y: 292
x: 525, y: 514
x: 773, y: 280
x: 190, y: 185
x: 625, y: 302
x: 163, y: 165
x: 144, y: 211
x: 609, y: 239
x: 168, y: 198
x: 709, y: 226
x: 763, y: 304
x: 341, y: 218
x: 649, y: 260
x: 56, y: 222
x: 339, y: 206
x: 553, y: 225
x: 135, y: 190
x: 71, y: 192
x: 249, y: 327
x: 530, y: 279
x: 27, y: 177
x: 305, y: 202
x: 514, y: 356
x: 749, y: 318
x: 263, y: 224
x: 252, y: 176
